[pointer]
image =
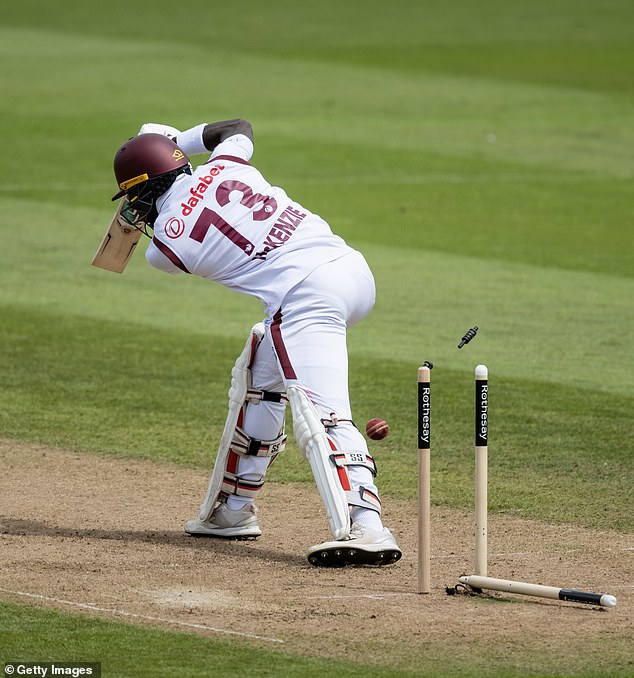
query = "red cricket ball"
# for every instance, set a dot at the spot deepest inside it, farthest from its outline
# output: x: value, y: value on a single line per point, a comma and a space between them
x: 377, y: 429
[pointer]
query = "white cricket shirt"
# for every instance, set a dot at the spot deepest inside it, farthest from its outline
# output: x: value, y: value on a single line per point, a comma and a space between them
x: 227, y: 223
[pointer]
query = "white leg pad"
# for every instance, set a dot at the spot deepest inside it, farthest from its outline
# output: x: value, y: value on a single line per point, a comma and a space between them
x: 313, y: 442
x: 240, y: 378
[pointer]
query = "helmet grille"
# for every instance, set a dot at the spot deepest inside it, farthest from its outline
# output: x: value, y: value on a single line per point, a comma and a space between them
x: 163, y: 182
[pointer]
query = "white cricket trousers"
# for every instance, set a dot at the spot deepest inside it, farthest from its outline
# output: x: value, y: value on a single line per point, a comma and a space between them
x: 305, y: 345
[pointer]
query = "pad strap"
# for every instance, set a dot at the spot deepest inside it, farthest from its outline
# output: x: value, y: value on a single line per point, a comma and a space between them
x: 364, y: 498
x: 232, y: 483
x: 335, y: 421
x: 255, y: 395
x: 343, y: 459
x: 243, y: 444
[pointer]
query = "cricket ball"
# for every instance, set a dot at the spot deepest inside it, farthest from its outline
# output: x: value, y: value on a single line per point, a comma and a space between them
x: 377, y: 429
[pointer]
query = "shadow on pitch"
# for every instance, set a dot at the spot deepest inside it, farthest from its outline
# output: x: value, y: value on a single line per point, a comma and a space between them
x: 230, y: 547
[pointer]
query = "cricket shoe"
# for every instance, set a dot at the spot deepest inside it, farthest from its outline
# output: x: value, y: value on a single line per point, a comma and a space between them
x: 225, y: 522
x: 363, y: 547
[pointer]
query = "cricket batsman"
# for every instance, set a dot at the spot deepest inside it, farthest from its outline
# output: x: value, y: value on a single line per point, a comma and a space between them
x: 225, y: 222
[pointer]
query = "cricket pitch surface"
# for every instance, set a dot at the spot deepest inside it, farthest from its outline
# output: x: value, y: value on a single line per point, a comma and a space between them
x: 103, y: 536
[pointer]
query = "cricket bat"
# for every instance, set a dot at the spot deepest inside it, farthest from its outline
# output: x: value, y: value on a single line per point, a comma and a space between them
x: 118, y: 244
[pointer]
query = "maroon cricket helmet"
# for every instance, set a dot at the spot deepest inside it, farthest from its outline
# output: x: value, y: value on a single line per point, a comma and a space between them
x: 146, y: 157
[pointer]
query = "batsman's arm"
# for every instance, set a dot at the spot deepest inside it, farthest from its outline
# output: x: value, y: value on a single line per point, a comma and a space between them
x: 205, y: 137
x: 216, y: 132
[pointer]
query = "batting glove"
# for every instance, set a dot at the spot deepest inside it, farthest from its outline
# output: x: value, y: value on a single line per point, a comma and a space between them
x: 156, y: 128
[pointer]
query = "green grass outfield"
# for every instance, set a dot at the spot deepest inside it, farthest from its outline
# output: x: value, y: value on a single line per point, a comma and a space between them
x: 479, y: 154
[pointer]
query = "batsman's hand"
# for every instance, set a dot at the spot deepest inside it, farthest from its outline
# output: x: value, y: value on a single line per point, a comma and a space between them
x: 156, y: 128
